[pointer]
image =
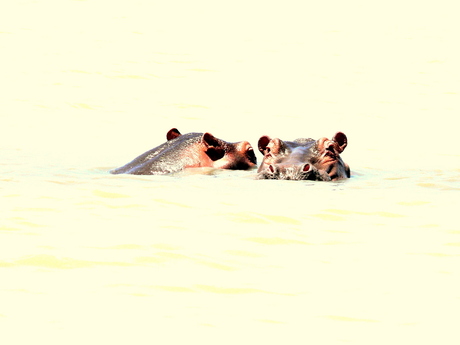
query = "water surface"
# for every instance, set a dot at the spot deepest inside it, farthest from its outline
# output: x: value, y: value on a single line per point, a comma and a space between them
x: 217, y: 257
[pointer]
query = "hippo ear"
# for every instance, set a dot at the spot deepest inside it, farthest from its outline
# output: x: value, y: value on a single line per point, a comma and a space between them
x: 263, y: 142
x: 173, y: 134
x: 341, y: 139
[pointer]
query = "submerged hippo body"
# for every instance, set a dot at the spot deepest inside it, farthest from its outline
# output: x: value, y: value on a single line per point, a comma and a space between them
x: 303, y: 159
x: 191, y: 150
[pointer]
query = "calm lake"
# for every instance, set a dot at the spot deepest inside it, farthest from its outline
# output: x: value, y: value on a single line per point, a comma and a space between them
x: 217, y: 257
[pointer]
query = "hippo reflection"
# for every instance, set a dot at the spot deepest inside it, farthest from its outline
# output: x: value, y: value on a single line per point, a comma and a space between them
x: 303, y: 159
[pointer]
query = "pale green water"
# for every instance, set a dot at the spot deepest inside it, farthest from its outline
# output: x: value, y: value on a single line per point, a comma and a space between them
x: 91, y: 258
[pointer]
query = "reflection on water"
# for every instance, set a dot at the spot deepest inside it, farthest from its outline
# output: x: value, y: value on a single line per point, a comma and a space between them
x: 218, y: 257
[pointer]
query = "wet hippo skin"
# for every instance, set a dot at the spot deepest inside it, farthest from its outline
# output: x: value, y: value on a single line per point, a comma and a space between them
x: 303, y: 159
x: 191, y: 150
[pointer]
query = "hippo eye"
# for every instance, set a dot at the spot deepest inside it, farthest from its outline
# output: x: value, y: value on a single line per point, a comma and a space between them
x: 215, y: 154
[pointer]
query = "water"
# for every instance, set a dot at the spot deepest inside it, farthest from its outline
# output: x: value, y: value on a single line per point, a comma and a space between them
x: 216, y: 256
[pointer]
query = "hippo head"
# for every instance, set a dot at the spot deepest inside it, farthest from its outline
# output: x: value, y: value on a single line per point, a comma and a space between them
x: 219, y: 154
x: 287, y: 160
x: 327, y: 157
x: 303, y: 159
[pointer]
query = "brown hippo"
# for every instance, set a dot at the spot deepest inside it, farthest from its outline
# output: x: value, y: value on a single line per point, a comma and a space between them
x: 191, y: 150
x: 303, y: 159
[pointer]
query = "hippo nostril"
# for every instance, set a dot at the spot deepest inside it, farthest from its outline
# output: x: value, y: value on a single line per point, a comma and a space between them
x: 251, y: 155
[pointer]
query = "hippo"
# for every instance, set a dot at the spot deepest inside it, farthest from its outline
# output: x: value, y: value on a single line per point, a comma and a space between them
x: 303, y: 159
x: 191, y: 150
